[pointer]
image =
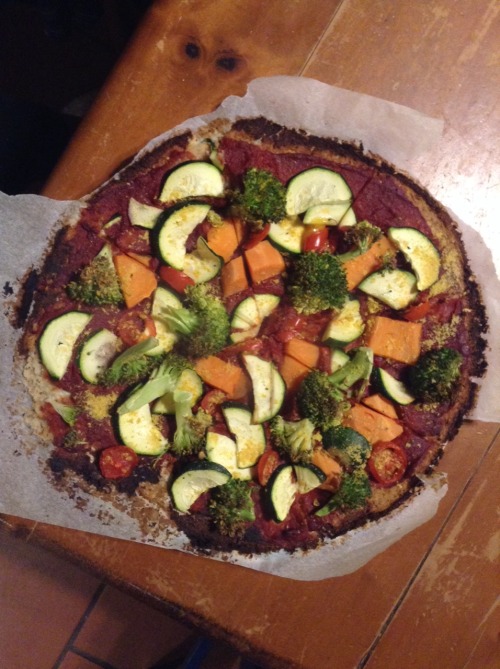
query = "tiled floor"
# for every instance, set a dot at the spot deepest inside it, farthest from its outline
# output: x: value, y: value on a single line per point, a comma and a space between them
x: 54, y: 615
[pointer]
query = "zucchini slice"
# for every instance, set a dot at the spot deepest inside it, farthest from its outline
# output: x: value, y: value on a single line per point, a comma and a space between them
x: 338, y: 359
x: 268, y: 387
x: 163, y: 297
x: 197, y: 478
x: 138, y: 432
x: 250, y: 438
x: 222, y: 449
x: 340, y: 214
x: 391, y: 387
x: 314, y: 186
x: 250, y: 314
x: 420, y: 252
x: 346, y: 326
x: 282, y: 489
x: 193, y: 179
x: 308, y: 477
x: 203, y: 264
x: 58, y: 341
x: 287, y: 234
x: 395, y: 287
x: 175, y: 230
x: 96, y: 354
x: 143, y: 215
x: 189, y: 382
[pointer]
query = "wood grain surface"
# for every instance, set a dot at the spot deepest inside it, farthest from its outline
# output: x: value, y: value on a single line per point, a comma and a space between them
x: 429, y: 600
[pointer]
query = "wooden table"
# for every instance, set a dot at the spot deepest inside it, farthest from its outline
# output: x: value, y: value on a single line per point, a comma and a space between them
x: 428, y: 601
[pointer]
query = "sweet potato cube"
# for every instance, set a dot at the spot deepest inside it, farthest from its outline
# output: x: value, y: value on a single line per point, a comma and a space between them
x: 304, y: 351
x: 381, y: 404
x: 264, y: 261
x: 361, y: 266
x: 293, y: 372
x: 136, y: 280
x: 223, y: 240
x: 234, y: 277
x: 224, y: 376
x: 373, y: 425
x: 397, y: 340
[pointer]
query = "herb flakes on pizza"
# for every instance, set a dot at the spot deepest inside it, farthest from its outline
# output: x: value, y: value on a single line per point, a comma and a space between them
x: 267, y: 335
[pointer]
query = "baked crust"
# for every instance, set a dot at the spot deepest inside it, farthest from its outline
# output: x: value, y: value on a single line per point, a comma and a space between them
x: 291, y: 150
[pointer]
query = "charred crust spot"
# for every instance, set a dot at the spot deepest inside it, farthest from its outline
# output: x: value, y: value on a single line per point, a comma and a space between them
x: 29, y: 286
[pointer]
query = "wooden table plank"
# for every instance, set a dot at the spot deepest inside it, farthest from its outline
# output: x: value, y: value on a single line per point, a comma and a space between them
x: 264, y: 615
x: 186, y: 58
x: 452, y: 608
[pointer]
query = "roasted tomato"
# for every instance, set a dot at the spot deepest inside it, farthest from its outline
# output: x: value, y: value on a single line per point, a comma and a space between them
x: 387, y: 463
x: 175, y: 278
x: 134, y: 327
x: 255, y: 237
x: 266, y: 466
x: 315, y: 238
x: 417, y: 312
x: 117, y: 462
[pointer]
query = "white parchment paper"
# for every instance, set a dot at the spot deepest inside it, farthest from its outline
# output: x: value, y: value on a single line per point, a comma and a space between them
x: 400, y: 135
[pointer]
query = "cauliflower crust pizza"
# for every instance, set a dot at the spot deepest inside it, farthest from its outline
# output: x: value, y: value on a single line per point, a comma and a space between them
x: 265, y: 336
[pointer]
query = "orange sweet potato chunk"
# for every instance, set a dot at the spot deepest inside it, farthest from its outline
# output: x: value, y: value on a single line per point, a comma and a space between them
x: 224, y: 376
x: 361, y: 266
x: 233, y: 277
x: 381, y: 404
x: 223, y: 240
x: 373, y: 425
x: 397, y: 340
x: 264, y: 261
x: 304, y: 351
x: 136, y: 280
x: 293, y: 372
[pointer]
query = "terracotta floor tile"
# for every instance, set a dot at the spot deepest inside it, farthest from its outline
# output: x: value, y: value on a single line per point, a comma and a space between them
x: 42, y: 598
x: 74, y: 661
x: 129, y: 634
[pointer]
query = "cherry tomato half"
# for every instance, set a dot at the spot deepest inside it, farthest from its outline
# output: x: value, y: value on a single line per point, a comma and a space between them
x: 255, y: 237
x: 134, y: 327
x: 117, y: 462
x: 387, y: 463
x: 417, y: 312
x: 315, y: 238
x: 266, y: 466
x: 175, y: 278
x: 212, y: 400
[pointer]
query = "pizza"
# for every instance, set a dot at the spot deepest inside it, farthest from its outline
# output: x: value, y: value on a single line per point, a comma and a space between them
x: 267, y: 337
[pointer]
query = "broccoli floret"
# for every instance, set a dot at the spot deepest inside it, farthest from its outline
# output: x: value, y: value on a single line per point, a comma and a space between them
x: 348, y: 446
x: 320, y: 401
x: 231, y: 507
x: 434, y: 376
x: 203, y: 324
x: 263, y: 198
x: 97, y: 283
x: 293, y: 438
x: 162, y: 380
x: 132, y: 365
x: 321, y: 397
x: 317, y: 282
x: 353, y: 493
x: 191, y: 428
x: 363, y: 235
x: 68, y: 412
